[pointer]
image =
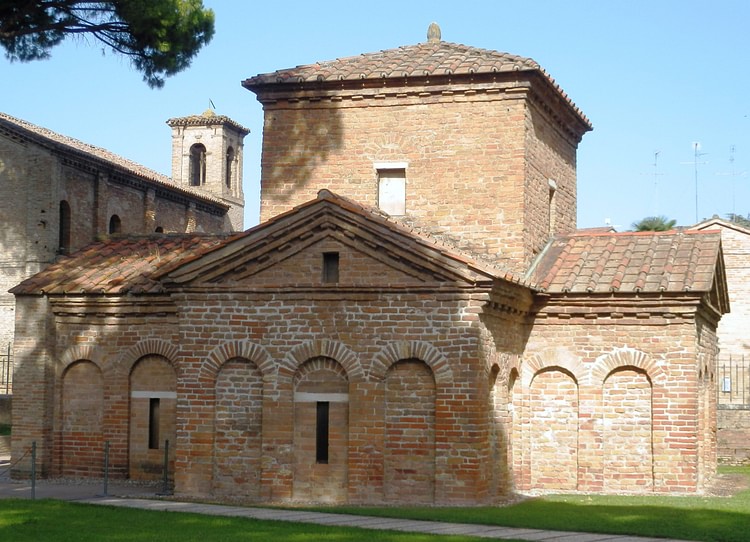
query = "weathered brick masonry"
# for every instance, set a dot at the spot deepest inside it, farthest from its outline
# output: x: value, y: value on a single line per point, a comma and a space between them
x: 58, y: 194
x: 468, y: 347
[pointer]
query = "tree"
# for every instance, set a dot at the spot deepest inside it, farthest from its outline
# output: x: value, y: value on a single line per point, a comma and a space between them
x: 739, y: 220
x: 654, y: 223
x: 160, y: 36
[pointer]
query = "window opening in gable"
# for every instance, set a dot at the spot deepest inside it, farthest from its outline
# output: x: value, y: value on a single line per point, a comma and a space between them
x: 330, y: 267
x: 392, y: 191
x: 197, y: 165
x: 229, y: 165
x: 64, y: 240
x: 115, y: 225
x: 153, y: 423
x: 322, y: 431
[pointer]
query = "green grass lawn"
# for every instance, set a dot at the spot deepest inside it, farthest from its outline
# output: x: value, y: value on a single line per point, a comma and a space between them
x: 719, y: 519
x: 58, y: 521
x: 710, y: 519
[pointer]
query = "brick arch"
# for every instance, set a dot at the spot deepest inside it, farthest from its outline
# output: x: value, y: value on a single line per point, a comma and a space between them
x: 320, y: 363
x: 232, y: 350
x: 148, y: 347
x: 81, y: 353
x: 549, y: 359
x: 324, y: 348
x: 608, y: 363
x: 399, y: 350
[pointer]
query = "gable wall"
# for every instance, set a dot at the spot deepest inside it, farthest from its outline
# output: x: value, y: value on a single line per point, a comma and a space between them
x: 466, y: 156
x: 355, y: 268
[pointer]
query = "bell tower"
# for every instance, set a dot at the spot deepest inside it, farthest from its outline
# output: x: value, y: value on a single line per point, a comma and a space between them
x: 207, y: 155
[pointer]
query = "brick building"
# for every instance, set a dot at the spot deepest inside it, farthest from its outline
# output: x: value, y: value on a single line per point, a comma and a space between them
x: 733, y: 368
x: 58, y: 194
x: 416, y: 320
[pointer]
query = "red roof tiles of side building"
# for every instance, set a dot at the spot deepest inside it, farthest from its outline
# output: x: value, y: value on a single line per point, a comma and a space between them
x: 117, y: 266
x: 629, y: 262
x: 138, y: 264
x: 428, y: 59
x: 47, y: 137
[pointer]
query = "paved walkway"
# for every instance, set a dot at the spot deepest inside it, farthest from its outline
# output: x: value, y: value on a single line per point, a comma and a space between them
x: 148, y: 498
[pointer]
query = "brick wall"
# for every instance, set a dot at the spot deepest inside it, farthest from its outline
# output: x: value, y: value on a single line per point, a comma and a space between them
x: 497, y: 149
x: 733, y: 430
x: 445, y: 398
x: 33, y: 181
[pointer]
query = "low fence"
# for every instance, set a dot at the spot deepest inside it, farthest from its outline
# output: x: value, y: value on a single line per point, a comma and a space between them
x: 6, y: 370
x: 733, y: 415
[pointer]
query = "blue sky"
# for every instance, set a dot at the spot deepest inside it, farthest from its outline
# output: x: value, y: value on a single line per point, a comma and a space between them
x: 652, y: 76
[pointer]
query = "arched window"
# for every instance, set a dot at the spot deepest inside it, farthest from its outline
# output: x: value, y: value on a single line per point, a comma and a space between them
x: 115, y: 224
x: 197, y: 165
x: 64, y: 242
x: 159, y: 229
x: 230, y: 165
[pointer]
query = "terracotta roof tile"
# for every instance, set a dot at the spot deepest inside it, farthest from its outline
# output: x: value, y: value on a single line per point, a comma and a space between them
x: 629, y: 262
x: 49, y: 138
x: 421, y: 60
x: 117, y: 266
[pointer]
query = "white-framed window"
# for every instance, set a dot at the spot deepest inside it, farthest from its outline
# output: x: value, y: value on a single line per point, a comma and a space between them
x: 392, y: 187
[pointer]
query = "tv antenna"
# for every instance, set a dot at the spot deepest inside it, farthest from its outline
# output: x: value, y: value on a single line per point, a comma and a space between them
x: 733, y: 175
x: 696, y: 155
x: 656, y: 182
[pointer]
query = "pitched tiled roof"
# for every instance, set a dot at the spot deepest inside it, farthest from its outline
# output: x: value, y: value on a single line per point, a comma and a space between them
x: 117, y: 266
x: 51, y: 139
x: 208, y: 118
x: 401, y: 241
x: 138, y: 264
x: 629, y: 262
x: 717, y: 223
x: 429, y: 59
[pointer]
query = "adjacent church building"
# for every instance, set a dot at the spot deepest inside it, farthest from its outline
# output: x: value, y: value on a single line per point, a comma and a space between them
x: 58, y: 194
x: 415, y: 320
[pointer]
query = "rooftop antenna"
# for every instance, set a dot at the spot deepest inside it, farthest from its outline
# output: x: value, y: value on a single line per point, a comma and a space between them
x: 656, y: 182
x: 733, y: 174
x: 696, y: 154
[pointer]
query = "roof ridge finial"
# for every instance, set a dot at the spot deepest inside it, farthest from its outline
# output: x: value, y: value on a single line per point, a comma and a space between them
x: 433, y: 33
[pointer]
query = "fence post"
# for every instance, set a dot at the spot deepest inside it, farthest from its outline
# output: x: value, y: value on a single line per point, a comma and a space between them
x: 165, y: 488
x: 106, y: 468
x: 33, y: 470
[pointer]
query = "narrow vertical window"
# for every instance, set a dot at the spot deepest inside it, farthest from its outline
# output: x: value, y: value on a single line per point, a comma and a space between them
x: 321, y: 431
x: 552, y: 205
x: 197, y: 165
x: 64, y: 241
x: 229, y: 165
x: 392, y: 191
x: 153, y: 423
x: 330, y: 267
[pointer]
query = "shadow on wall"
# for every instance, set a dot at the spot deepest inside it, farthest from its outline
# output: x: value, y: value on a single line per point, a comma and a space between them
x: 295, y: 143
x: 6, y: 406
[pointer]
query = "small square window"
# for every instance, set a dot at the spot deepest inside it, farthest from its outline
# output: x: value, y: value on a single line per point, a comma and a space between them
x: 392, y: 191
x: 330, y: 267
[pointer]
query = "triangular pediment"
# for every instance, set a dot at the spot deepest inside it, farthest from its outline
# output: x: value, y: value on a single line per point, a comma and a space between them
x: 289, y: 251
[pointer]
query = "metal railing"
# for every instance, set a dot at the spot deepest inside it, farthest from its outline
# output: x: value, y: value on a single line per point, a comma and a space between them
x: 6, y: 370
x: 733, y: 380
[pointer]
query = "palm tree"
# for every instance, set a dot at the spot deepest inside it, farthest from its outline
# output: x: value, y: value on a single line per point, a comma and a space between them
x: 654, y: 223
